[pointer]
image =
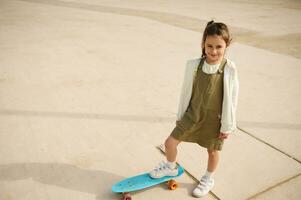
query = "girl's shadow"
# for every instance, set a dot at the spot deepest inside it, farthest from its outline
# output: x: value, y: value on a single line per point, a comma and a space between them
x: 64, y: 175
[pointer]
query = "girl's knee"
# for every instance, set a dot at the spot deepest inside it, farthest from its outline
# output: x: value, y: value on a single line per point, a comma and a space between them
x: 212, y: 152
x: 170, y: 142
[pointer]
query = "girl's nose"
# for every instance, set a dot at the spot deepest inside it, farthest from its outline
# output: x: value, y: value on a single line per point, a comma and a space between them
x: 214, y: 51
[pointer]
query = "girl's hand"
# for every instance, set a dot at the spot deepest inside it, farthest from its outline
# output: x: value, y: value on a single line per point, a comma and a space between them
x: 223, y: 136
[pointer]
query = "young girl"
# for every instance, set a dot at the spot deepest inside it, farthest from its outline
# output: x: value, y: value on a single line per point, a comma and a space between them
x: 206, y: 113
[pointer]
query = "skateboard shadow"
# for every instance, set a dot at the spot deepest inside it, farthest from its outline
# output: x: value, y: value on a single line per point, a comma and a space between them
x: 64, y: 175
x: 182, y: 186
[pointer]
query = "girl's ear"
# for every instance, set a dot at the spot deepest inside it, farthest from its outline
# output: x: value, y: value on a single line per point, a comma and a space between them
x: 229, y: 42
x: 203, y: 45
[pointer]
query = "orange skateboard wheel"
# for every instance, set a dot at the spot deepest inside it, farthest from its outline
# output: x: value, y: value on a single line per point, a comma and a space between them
x: 126, y: 196
x: 172, y: 184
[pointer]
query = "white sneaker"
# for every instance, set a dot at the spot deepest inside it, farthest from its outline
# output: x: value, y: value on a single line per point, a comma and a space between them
x: 163, y: 170
x: 203, y: 187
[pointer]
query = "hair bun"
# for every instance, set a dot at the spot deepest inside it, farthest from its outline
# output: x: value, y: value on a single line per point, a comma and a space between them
x: 211, y: 22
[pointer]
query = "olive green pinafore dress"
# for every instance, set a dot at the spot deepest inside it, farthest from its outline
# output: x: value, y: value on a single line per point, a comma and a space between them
x: 201, y: 122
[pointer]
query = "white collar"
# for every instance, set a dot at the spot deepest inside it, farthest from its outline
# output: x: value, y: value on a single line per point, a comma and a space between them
x: 210, y: 69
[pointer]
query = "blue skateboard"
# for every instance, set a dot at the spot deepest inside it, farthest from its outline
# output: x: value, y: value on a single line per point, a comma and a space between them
x: 143, y: 181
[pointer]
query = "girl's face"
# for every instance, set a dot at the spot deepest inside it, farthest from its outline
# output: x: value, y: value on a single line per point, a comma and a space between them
x: 215, y: 47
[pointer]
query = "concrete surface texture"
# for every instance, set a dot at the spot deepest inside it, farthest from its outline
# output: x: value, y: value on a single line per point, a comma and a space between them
x: 88, y: 89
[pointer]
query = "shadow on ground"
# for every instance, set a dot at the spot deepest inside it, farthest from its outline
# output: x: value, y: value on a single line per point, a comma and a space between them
x: 73, y: 115
x: 63, y: 175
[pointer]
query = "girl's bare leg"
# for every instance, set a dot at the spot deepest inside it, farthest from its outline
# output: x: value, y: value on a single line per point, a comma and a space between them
x: 171, y: 148
x: 207, y: 183
x: 213, y: 158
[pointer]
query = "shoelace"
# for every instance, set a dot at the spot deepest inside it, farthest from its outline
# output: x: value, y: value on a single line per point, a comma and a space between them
x: 161, y: 166
x: 203, y: 185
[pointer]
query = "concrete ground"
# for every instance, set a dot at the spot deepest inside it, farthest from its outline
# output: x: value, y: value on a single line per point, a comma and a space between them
x: 89, y: 89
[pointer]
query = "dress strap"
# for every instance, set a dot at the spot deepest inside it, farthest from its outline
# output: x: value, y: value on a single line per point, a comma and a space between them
x: 202, y: 60
x: 201, y: 63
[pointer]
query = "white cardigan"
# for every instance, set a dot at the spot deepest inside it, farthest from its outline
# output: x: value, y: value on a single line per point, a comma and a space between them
x: 231, y: 86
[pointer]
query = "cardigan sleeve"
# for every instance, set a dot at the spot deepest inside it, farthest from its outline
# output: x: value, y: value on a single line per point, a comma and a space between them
x: 186, y: 90
x: 235, y: 90
x: 231, y: 86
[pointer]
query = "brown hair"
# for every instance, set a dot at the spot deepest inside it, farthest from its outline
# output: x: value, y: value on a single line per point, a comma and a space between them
x: 216, y: 28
